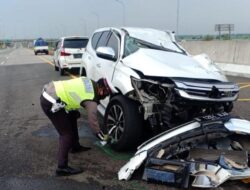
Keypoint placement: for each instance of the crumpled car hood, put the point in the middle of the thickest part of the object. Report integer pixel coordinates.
(168, 64)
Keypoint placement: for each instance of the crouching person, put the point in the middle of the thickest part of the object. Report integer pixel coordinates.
(60, 101)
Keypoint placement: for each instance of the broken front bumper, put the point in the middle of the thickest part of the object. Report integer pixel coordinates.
(198, 131)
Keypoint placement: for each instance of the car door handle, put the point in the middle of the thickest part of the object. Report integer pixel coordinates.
(98, 65)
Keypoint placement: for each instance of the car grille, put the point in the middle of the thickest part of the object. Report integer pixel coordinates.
(223, 91)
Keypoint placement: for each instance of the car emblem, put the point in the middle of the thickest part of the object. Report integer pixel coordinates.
(215, 93)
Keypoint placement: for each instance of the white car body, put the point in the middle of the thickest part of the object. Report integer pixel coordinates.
(135, 57)
(68, 53)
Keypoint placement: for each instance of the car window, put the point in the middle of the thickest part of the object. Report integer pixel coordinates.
(103, 40)
(41, 43)
(113, 43)
(130, 46)
(75, 43)
(95, 39)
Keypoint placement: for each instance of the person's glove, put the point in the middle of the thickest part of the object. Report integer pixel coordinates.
(105, 137)
(102, 137)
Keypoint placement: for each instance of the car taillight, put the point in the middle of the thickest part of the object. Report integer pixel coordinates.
(63, 53)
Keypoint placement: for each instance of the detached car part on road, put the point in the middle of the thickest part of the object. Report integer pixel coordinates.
(158, 83)
(212, 148)
(68, 53)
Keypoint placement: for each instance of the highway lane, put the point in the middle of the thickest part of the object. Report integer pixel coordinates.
(4, 55)
(29, 141)
(21, 56)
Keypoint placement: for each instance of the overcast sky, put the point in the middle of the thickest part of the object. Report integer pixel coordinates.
(55, 18)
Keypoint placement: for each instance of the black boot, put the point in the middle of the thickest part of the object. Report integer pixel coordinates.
(65, 171)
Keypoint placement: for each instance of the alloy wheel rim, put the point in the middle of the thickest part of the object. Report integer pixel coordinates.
(115, 123)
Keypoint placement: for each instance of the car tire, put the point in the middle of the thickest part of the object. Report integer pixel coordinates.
(35, 53)
(83, 73)
(122, 114)
(61, 71)
(56, 67)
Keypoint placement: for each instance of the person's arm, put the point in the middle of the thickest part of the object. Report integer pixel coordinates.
(91, 108)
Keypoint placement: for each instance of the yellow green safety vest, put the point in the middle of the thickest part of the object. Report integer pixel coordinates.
(74, 91)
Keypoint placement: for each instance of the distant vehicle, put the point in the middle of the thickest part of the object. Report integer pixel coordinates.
(68, 53)
(41, 46)
(159, 85)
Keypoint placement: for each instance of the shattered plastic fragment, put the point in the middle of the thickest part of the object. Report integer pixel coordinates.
(210, 176)
(128, 169)
(160, 153)
(206, 175)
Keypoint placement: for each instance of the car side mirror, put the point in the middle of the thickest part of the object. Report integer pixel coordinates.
(106, 53)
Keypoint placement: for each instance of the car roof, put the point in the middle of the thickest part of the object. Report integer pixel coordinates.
(74, 37)
(133, 29)
(150, 34)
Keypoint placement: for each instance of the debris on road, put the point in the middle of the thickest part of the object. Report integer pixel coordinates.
(209, 148)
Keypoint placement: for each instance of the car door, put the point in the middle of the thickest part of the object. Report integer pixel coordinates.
(98, 72)
(104, 67)
(89, 57)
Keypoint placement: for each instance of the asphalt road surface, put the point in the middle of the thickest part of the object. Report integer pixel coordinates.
(29, 142)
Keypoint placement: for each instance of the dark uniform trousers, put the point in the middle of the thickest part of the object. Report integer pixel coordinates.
(66, 125)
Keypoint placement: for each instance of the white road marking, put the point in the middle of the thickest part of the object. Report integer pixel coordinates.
(2, 63)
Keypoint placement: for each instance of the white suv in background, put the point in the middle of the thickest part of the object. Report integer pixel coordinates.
(68, 53)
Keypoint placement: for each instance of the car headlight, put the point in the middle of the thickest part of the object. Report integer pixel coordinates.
(136, 82)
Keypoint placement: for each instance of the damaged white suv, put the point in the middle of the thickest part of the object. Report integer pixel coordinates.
(159, 85)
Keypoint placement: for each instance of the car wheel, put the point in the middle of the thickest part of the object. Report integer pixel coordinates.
(61, 71)
(35, 53)
(56, 67)
(83, 72)
(123, 122)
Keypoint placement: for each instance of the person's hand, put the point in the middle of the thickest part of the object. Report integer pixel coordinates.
(100, 135)
(105, 137)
